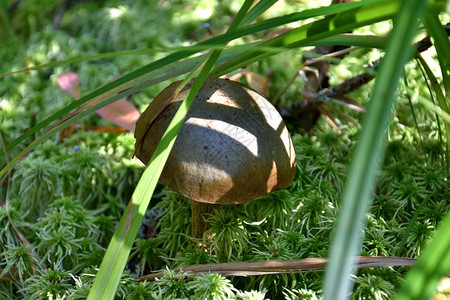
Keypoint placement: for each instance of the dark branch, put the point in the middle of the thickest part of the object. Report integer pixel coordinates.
(303, 114)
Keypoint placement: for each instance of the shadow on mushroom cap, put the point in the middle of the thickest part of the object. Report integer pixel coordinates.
(232, 147)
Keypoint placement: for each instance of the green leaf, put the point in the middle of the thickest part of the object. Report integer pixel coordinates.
(357, 195)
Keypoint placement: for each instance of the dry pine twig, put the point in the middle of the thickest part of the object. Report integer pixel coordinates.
(251, 268)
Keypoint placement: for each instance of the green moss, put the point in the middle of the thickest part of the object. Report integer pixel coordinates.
(66, 197)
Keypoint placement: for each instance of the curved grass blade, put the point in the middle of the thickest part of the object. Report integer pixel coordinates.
(187, 51)
(432, 265)
(70, 119)
(256, 11)
(345, 40)
(371, 12)
(143, 76)
(104, 97)
(142, 73)
(431, 106)
(352, 40)
(220, 39)
(369, 151)
(438, 123)
(442, 44)
(442, 106)
(116, 256)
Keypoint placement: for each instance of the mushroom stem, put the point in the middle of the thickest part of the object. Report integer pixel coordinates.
(199, 215)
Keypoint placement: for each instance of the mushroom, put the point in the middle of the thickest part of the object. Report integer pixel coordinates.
(232, 147)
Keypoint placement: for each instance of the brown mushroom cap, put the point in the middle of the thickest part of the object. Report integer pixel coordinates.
(233, 145)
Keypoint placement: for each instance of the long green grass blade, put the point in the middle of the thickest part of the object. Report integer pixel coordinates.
(156, 72)
(368, 154)
(217, 40)
(116, 256)
(442, 44)
(256, 11)
(341, 22)
(352, 40)
(108, 277)
(135, 85)
(431, 106)
(432, 97)
(433, 264)
(444, 106)
(143, 74)
(344, 40)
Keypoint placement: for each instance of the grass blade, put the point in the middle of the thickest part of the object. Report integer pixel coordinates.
(341, 22)
(368, 154)
(442, 44)
(116, 256)
(217, 40)
(104, 96)
(442, 101)
(145, 76)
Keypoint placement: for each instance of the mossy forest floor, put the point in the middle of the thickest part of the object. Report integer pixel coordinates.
(67, 196)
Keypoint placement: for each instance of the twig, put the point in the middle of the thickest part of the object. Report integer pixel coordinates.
(350, 84)
(308, 63)
(426, 43)
(311, 99)
(251, 268)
